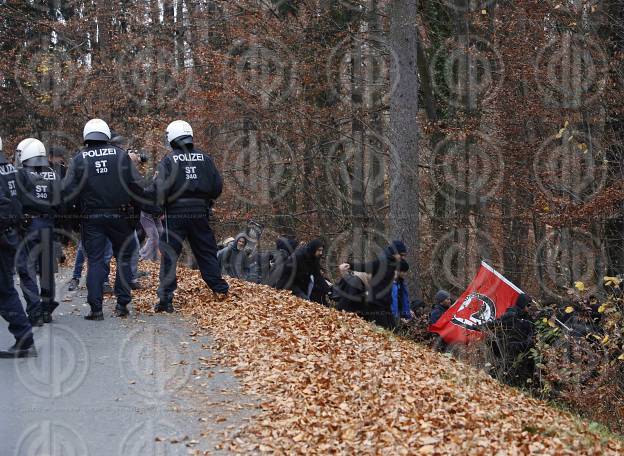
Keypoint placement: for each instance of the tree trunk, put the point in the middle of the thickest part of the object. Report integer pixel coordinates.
(404, 159)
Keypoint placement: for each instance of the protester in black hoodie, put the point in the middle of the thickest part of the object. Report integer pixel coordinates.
(281, 275)
(518, 326)
(305, 265)
(382, 271)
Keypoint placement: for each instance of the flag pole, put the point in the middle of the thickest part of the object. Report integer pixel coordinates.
(501, 276)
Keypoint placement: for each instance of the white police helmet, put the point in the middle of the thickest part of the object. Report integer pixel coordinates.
(33, 153)
(180, 132)
(19, 149)
(96, 130)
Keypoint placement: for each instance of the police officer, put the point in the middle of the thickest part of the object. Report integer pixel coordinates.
(18, 151)
(185, 184)
(10, 306)
(105, 181)
(40, 195)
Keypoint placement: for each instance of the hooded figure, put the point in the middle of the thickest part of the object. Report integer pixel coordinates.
(382, 271)
(234, 259)
(518, 326)
(305, 267)
(281, 274)
(351, 292)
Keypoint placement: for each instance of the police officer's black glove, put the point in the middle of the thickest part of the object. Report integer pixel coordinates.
(25, 222)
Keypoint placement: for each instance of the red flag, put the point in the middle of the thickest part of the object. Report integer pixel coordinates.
(486, 299)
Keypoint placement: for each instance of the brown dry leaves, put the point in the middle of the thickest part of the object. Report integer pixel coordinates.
(332, 383)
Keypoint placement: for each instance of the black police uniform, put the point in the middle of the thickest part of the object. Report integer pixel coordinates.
(185, 185)
(10, 306)
(107, 184)
(40, 195)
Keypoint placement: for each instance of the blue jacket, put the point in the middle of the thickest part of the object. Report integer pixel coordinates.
(399, 288)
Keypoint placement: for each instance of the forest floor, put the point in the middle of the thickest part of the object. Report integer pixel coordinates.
(329, 382)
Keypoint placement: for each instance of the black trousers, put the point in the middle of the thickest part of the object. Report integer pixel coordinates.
(96, 229)
(36, 256)
(10, 306)
(196, 229)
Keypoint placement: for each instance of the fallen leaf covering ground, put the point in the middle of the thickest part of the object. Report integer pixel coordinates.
(330, 383)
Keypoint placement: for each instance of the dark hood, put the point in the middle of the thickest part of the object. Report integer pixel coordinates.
(287, 244)
(312, 246)
(394, 248)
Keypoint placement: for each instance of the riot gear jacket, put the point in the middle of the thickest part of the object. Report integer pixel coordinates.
(186, 177)
(103, 178)
(10, 208)
(39, 190)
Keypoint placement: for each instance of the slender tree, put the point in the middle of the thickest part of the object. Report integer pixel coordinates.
(404, 157)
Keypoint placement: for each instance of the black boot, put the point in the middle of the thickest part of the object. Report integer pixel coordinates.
(52, 306)
(95, 315)
(47, 311)
(121, 310)
(36, 319)
(164, 306)
(21, 349)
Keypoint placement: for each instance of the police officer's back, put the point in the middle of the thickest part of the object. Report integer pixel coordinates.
(10, 306)
(107, 184)
(40, 195)
(185, 185)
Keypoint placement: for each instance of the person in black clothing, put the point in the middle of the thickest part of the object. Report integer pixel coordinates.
(107, 186)
(281, 273)
(351, 293)
(39, 191)
(517, 326)
(442, 301)
(185, 185)
(306, 266)
(10, 306)
(382, 271)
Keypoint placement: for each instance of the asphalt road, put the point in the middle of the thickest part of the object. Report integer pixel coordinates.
(136, 386)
